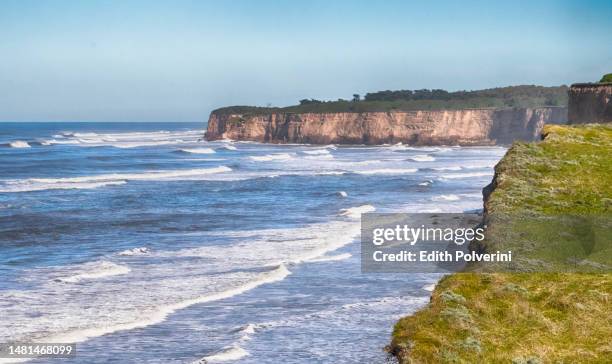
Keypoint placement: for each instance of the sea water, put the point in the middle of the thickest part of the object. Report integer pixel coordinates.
(144, 243)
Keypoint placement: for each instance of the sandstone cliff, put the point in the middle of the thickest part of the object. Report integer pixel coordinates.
(590, 103)
(463, 127)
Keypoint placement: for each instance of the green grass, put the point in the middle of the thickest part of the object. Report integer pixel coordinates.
(531, 317)
(567, 173)
(507, 318)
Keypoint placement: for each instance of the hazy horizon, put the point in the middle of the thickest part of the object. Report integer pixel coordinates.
(159, 61)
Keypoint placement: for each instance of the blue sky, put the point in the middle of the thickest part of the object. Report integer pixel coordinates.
(177, 60)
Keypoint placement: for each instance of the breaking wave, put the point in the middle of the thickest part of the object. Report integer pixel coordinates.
(17, 186)
(96, 270)
(332, 258)
(450, 197)
(450, 168)
(317, 152)
(19, 144)
(199, 151)
(83, 182)
(230, 353)
(355, 212)
(135, 251)
(272, 157)
(400, 147)
(126, 139)
(422, 158)
(388, 171)
(429, 287)
(80, 335)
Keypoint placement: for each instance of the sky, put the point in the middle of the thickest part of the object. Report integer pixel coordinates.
(177, 60)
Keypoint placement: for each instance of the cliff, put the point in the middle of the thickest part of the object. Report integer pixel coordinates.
(463, 127)
(590, 103)
(539, 317)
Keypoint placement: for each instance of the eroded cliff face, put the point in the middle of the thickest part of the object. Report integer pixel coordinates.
(462, 127)
(590, 103)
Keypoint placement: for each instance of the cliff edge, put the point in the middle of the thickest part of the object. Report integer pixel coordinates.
(538, 317)
(426, 127)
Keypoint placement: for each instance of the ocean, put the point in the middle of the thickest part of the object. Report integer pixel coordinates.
(144, 243)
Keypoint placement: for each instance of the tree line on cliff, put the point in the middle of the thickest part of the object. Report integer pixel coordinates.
(423, 99)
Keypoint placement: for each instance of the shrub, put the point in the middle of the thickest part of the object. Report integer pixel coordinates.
(606, 78)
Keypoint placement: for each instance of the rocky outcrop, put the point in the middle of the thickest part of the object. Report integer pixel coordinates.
(590, 103)
(450, 127)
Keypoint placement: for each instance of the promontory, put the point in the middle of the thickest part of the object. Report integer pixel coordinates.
(419, 117)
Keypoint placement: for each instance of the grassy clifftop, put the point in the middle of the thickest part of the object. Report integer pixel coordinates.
(527, 317)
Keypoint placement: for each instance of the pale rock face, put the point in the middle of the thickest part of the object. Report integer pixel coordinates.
(449, 127)
(590, 103)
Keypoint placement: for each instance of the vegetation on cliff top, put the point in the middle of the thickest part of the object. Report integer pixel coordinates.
(408, 100)
(526, 317)
(569, 172)
(606, 78)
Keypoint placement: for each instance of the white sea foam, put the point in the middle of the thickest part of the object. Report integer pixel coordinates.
(401, 147)
(230, 147)
(330, 173)
(426, 183)
(161, 313)
(199, 150)
(388, 171)
(204, 159)
(127, 139)
(231, 353)
(83, 182)
(317, 152)
(422, 158)
(429, 287)
(342, 194)
(290, 246)
(96, 270)
(366, 163)
(248, 329)
(127, 144)
(355, 212)
(450, 168)
(272, 157)
(19, 144)
(466, 175)
(135, 251)
(346, 312)
(450, 197)
(332, 258)
(152, 302)
(480, 165)
(319, 157)
(60, 141)
(26, 186)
